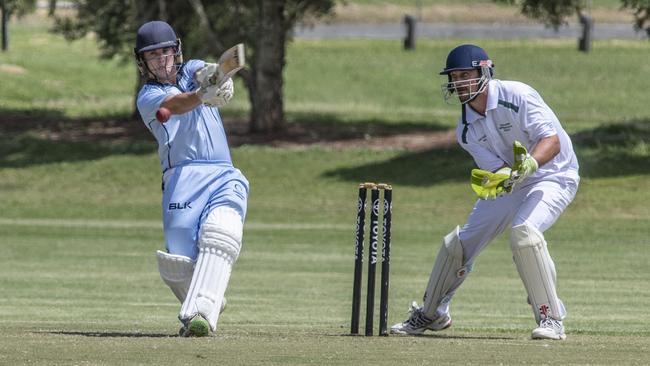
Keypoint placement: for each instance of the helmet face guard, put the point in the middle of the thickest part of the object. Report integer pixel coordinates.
(467, 90)
(162, 72)
(463, 58)
(152, 36)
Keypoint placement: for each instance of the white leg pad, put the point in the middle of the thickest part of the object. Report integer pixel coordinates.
(447, 274)
(537, 271)
(219, 245)
(176, 271)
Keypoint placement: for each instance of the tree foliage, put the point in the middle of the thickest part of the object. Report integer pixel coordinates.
(551, 12)
(18, 7)
(641, 10)
(9, 8)
(207, 28)
(556, 12)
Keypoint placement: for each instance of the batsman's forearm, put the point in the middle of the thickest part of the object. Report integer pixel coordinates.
(546, 149)
(182, 103)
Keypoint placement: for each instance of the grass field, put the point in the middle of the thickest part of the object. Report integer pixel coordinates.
(80, 221)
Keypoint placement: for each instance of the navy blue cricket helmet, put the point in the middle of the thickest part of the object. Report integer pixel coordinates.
(466, 57)
(154, 35)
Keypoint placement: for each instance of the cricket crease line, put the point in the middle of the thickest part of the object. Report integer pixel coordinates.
(150, 224)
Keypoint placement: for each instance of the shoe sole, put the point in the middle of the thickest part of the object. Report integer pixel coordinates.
(554, 337)
(405, 332)
(443, 328)
(395, 331)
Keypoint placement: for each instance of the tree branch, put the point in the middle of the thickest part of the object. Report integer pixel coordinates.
(215, 46)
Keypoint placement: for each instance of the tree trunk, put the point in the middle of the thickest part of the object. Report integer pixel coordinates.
(51, 7)
(5, 29)
(267, 108)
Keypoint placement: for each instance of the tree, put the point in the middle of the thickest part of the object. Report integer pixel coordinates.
(556, 12)
(206, 30)
(641, 10)
(9, 8)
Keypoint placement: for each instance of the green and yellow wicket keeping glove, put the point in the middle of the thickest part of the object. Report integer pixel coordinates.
(488, 185)
(524, 165)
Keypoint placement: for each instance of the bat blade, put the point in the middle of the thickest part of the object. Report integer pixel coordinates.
(230, 62)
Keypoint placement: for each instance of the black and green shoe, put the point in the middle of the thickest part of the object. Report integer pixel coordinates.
(196, 327)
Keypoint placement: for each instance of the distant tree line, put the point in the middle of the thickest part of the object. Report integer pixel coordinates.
(207, 28)
(556, 12)
(9, 8)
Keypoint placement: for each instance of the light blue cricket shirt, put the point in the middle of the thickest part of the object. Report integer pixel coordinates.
(197, 135)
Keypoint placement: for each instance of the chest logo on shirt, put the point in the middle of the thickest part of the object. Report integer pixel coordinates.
(505, 127)
(179, 206)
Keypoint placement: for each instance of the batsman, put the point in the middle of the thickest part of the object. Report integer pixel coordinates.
(527, 175)
(204, 196)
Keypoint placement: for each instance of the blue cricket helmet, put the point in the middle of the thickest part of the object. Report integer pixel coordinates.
(467, 57)
(154, 35)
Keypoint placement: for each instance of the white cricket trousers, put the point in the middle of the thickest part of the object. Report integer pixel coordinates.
(539, 205)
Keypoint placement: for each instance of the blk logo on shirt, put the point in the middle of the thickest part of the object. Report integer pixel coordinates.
(179, 206)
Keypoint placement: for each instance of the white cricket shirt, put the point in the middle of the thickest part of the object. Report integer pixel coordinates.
(515, 111)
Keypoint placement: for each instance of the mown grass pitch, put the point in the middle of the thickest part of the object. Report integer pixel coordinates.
(80, 225)
(80, 284)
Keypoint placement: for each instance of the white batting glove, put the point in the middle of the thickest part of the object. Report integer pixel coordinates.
(203, 74)
(216, 97)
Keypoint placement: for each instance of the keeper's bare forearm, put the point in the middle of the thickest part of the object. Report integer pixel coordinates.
(546, 149)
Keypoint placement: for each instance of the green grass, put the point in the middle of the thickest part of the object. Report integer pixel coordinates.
(76, 292)
(383, 82)
(345, 80)
(80, 221)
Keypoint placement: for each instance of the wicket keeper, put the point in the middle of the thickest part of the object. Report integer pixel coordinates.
(527, 176)
(204, 197)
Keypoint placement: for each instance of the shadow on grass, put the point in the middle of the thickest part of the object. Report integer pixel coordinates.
(424, 168)
(616, 149)
(333, 125)
(114, 334)
(46, 136)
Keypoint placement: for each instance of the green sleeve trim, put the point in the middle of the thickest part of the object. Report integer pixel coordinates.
(509, 105)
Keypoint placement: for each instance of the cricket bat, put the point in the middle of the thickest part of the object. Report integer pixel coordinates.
(230, 62)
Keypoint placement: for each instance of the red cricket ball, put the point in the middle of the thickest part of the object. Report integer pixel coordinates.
(163, 114)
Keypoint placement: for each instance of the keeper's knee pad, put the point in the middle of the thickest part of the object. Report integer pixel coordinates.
(447, 274)
(537, 271)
